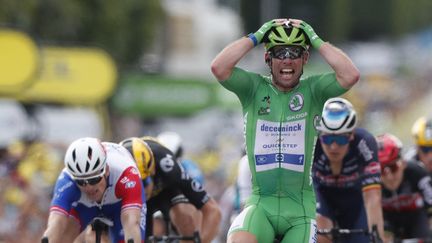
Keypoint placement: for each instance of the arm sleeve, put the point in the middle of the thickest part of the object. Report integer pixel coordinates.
(65, 193)
(325, 86)
(129, 188)
(368, 149)
(173, 173)
(242, 83)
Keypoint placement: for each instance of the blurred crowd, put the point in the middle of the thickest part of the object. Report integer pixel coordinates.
(28, 169)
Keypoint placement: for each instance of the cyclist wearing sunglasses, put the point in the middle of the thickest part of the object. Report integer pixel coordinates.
(346, 173)
(181, 199)
(407, 192)
(94, 184)
(279, 111)
(422, 133)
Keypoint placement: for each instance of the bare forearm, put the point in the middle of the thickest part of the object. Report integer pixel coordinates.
(346, 72)
(211, 220)
(130, 220)
(227, 59)
(133, 232)
(60, 228)
(374, 210)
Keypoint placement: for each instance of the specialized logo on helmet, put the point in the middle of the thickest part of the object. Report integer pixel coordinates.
(296, 102)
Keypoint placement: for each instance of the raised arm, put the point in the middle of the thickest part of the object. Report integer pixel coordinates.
(347, 73)
(227, 59)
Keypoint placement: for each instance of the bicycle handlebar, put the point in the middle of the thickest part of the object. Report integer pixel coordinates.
(342, 231)
(169, 238)
(337, 233)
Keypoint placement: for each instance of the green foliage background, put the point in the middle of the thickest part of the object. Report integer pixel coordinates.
(127, 29)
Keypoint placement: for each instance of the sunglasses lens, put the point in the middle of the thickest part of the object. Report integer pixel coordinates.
(287, 52)
(426, 149)
(339, 139)
(91, 182)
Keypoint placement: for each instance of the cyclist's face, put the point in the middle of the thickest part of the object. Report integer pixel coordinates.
(287, 66)
(95, 192)
(334, 151)
(392, 175)
(425, 155)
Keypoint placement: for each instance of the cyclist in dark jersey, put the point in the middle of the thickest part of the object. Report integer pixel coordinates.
(346, 173)
(172, 191)
(407, 192)
(422, 152)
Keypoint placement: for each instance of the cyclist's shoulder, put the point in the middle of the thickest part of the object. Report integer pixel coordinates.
(364, 140)
(193, 169)
(246, 76)
(317, 77)
(415, 170)
(363, 133)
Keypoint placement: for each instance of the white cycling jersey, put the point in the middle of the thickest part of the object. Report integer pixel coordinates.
(244, 180)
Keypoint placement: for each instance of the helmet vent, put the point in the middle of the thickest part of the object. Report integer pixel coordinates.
(78, 168)
(87, 166)
(96, 164)
(352, 123)
(89, 153)
(70, 168)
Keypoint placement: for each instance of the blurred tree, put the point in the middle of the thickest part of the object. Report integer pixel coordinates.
(409, 16)
(370, 19)
(337, 20)
(250, 13)
(123, 28)
(341, 20)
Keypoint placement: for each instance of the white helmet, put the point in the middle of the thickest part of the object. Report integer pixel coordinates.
(338, 116)
(85, 157)
(172, 141)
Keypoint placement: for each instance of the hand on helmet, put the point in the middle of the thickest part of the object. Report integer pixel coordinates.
(314, 39)
(262, 32)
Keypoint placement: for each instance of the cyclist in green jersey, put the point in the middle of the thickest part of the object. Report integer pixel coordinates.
(280, 111)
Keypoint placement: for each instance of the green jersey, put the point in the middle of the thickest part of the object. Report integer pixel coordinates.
(279, 129)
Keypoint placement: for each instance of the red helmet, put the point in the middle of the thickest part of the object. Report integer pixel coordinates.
(389, 149)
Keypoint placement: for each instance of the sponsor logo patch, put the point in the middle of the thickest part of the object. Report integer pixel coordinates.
(130, 184)
(167, 163)
(296, 102)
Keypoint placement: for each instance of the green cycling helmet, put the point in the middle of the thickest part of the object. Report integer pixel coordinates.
(285, 35)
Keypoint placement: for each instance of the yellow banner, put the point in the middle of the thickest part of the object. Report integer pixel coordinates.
(18, 61)
(73, 76)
